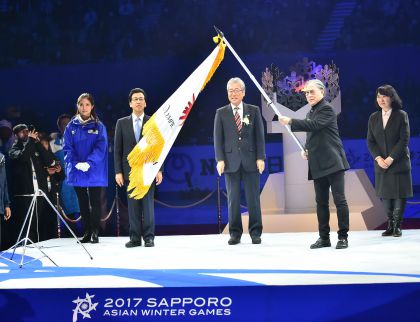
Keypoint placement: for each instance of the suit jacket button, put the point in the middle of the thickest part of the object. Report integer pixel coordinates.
(239, 149)
(240, 138)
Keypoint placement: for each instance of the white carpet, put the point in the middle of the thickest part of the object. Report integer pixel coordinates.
(281, 259)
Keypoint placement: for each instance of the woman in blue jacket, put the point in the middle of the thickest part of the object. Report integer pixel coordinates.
(85, 155)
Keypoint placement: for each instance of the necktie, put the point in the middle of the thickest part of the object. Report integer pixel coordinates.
(238, 119)
(137, 129)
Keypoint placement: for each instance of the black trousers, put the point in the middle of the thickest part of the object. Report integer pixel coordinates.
(90, 206)
(251, 182)
(141, 215)
(322, 187)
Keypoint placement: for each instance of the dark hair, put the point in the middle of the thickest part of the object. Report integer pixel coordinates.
(61, 117)
(134, 91)
(388, 90)
(89, 97)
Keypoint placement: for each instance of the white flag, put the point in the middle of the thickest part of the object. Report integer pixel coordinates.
(161, 130)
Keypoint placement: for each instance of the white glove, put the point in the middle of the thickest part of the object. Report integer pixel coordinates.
(82, 166)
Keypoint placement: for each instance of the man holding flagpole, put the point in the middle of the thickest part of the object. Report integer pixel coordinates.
(128, 131)
(239, 146)
(327, 162)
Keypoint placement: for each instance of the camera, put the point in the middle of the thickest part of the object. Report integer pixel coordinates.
(54, 164)
(31, 128)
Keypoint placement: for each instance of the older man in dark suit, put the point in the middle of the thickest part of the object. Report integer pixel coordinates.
(128, 132)
(327, 162)
(239, 146)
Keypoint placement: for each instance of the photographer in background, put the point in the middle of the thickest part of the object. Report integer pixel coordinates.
(29, 163)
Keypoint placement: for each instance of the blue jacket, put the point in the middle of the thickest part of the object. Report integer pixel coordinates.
(4, 194)
(67, 194)
(86, 143)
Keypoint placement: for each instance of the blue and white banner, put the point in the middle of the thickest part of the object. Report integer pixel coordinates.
(362, 302)
(189, 167)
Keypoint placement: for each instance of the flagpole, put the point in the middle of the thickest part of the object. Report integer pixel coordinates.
(267, 98)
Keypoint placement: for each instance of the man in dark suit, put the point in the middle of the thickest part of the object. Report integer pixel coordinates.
(239, 146)
(327, 162)
(128, 132)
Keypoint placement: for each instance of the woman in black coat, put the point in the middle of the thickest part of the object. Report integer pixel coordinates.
(387, 139)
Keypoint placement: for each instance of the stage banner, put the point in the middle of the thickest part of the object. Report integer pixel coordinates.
(160, 132)
(194, 167)
(363, 302)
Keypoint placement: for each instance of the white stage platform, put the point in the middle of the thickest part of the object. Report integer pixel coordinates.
(202, 278)
(207, 260)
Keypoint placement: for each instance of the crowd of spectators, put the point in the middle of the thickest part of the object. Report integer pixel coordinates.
(381, 23)
(358, 102)
(93, 31)
(67, 32)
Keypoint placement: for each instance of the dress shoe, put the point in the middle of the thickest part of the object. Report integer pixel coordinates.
(342, 243)
(94, 238)
(256, 240)
(85, 238)
(321, 243)
(234, 241)
(149, 243)
(132, 244)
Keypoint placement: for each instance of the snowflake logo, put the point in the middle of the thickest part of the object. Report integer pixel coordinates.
(83, 307)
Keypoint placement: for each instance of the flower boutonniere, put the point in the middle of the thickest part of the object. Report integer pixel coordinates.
(246, 120)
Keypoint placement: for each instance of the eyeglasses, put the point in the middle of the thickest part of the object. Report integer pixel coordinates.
(312, 92)
(138, 99)
(236, 91)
